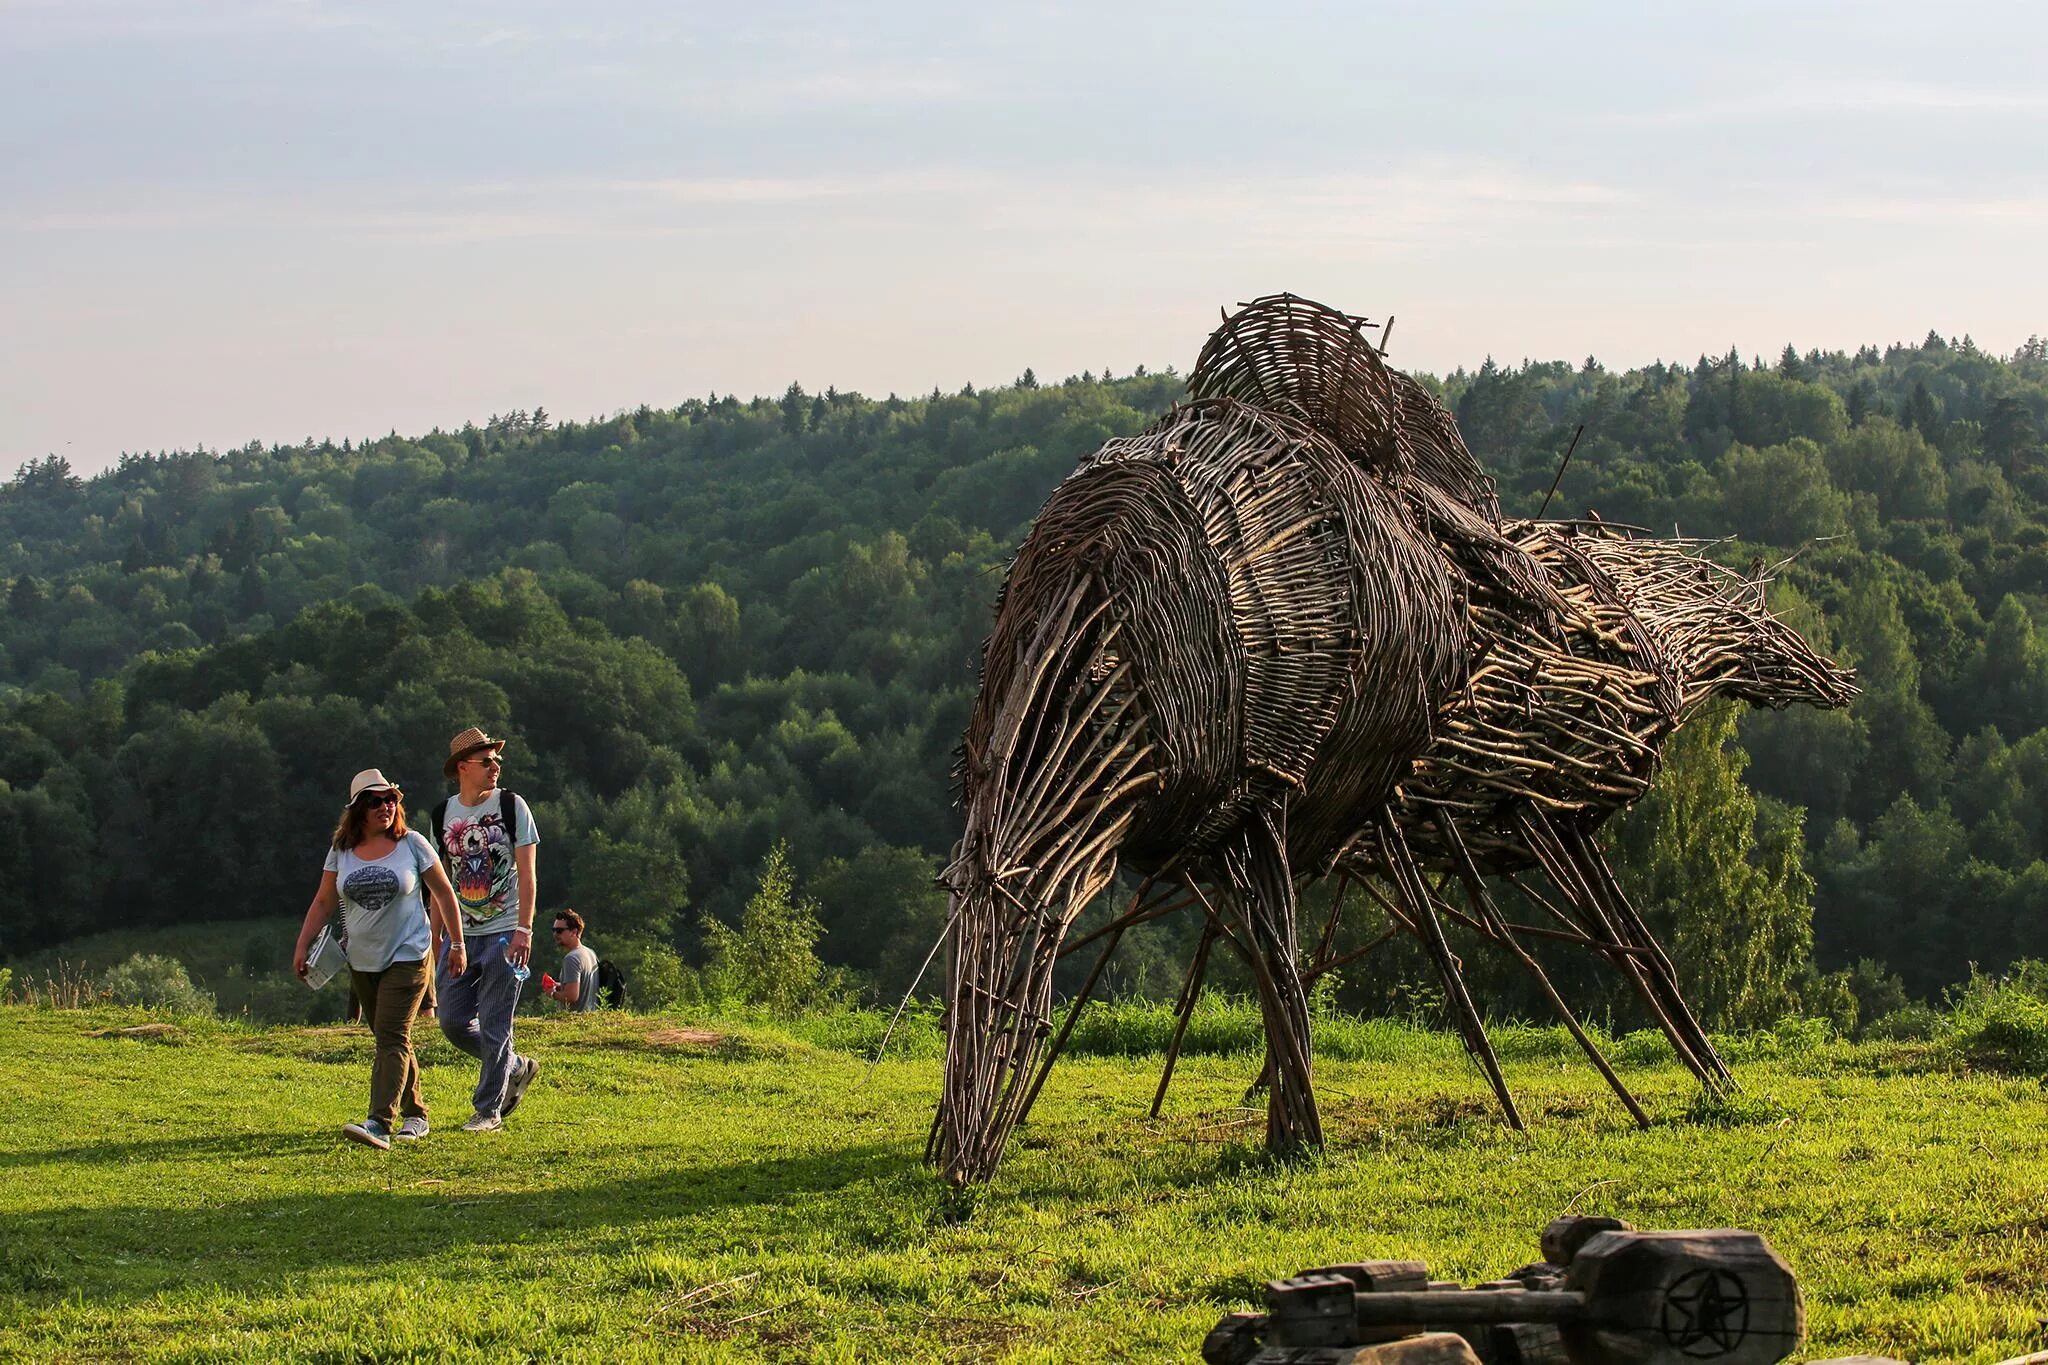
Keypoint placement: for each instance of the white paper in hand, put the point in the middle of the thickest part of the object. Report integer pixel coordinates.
(326, 957)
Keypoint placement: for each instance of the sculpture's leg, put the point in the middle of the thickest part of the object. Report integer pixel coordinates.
(1059, 1042)
(1657, 964)
(1414, 893)
(1257, 881)
(1319, 962)
(1325, 960)
(1580, 884)
(1139, 911)
(1331, 964)
(1184, 1009)
(1496, 927)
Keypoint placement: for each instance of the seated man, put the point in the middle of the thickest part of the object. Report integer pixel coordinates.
(578, 987)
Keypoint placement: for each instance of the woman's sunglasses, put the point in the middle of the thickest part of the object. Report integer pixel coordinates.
(368, 799)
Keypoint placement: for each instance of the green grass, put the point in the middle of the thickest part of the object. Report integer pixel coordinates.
(188, 1197)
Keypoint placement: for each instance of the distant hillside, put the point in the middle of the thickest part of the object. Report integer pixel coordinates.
(712, 626)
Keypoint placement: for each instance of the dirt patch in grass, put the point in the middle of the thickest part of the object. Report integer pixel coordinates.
(685, 1038)
(146, 1032)
(323, 1043)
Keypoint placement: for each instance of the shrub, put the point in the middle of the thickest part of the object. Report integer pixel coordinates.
(1914, 1023)
(1799, 1035)
(2011, 1035)
(1833, 997)
(771, 960)
(2001, 1022)
(1878, 992)
(155, 983)
(657, 978)
(274, 999)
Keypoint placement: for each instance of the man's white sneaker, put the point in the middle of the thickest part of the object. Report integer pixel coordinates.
(523, 1073)
(370, 1133)
(412, 1129)
(483, 1123)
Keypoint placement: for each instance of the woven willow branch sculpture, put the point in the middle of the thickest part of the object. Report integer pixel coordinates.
(1285, 633)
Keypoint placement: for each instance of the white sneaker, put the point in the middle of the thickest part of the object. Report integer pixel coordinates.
(522, 1076)
(412, 1129)
(370, 1133)
(482, 1123)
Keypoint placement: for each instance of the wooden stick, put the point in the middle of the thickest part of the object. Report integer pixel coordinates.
(1183, 1011)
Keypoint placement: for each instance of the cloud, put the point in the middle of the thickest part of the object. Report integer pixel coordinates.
(1860, 98)
(85, 22)
(1936, 206)
(1421, 204)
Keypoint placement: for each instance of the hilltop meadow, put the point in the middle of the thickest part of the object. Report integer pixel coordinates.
(736, 1189)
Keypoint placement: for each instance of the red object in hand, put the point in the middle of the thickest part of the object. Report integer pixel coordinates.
(547, 983)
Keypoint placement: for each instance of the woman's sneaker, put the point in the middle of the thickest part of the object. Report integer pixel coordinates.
(483, 1123)
(370, 1133)
(412, 1129)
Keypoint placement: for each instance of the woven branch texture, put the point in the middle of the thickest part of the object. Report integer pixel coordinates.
(1285, 632)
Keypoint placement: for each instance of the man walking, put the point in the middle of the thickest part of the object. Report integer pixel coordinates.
(485, 835)
(578, 987)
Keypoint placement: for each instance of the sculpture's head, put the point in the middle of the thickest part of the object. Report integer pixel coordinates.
(1713, 627)
(1775, 666)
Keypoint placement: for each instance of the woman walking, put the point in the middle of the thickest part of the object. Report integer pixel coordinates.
(380, 876)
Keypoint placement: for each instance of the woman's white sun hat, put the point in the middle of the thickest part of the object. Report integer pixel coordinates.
(369, 780)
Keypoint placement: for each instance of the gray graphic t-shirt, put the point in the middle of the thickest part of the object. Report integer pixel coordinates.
(383, 905)
(477, 847)
(579, 965)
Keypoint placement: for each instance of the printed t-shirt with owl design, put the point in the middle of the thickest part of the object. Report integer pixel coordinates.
(477, 848)
(383, 911)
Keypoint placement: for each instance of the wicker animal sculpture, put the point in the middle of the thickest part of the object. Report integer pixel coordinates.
(1231, 654)
(1559, 727)
(1220, 640)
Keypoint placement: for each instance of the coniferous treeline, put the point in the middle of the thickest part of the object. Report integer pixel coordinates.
(710, 627)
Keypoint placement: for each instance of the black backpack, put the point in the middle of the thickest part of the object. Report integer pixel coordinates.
(611, 985)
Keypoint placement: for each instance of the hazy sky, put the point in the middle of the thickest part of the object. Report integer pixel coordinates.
(224, 220)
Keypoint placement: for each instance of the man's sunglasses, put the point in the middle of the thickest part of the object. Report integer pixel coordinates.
(368, 799)
(490, 760)
(561, 928)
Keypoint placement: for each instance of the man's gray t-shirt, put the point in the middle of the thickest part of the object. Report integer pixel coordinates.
(383, 910)
(579, 965)
(477, 848)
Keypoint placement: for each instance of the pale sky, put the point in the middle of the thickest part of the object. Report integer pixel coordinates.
(225, 220)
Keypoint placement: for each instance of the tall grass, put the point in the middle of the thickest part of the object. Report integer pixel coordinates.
(2000, 1022)
(60, 985)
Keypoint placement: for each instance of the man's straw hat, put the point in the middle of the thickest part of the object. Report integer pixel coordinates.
(465, 745)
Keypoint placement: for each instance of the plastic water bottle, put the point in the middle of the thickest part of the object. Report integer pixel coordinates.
(520, 970)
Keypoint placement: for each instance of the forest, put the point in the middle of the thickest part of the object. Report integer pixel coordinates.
(717, 629)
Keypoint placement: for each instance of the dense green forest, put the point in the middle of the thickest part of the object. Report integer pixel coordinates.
(717, 626)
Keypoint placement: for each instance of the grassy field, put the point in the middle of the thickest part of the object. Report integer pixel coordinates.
(187, 1197)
